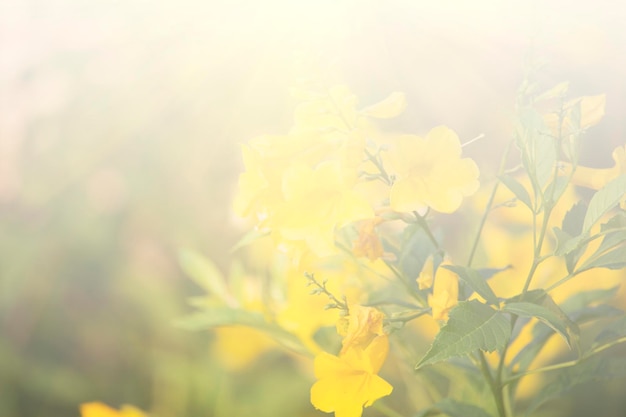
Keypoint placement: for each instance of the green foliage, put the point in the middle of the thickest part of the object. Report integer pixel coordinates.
(472, 326)
(594, 369)
(453, 408)
(603, 201)
(204, 273)
(517, 189)
(554, 319)
(476, 282)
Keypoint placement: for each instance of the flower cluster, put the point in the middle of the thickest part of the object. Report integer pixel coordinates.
(351, 263)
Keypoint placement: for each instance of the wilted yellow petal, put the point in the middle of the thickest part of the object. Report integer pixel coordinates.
(368, 243)
(364, 324)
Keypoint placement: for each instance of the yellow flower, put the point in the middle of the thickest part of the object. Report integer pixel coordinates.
(431, 173)
(445, 292)
(239, 346)
(98, 409)
(349, 382)
(316, 202)
(266, 158)
(360, 327)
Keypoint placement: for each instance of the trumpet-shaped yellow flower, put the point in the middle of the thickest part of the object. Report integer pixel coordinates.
(316, 202)
(430, 172)
(266, 158)
(349, 382)
(445, 292)
(98, 409)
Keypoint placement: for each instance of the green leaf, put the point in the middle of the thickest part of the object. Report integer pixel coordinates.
(472, 325)
(577, 307)
(540, 336)
(537, 146)
(568, 247)
(517, 189)
(454, 408)
(574, 218)
(593, 313)
(587, 298)
(604, 200)
(204, 273)
(558, 91)
(490, 272)
(558, 322)
(593, 369)
(615, 232)
(249, 238)
(615, 259)
(614, 331)
(555, 189)
(476, 281)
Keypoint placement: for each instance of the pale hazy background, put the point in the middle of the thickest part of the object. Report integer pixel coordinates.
(119, 125)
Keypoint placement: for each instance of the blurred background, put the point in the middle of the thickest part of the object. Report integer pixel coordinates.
(119, 130)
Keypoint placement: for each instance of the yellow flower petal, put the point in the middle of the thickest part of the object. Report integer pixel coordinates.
(445, 292)
(430, 172)
(349, 382)
(98, 409)
(363, 325)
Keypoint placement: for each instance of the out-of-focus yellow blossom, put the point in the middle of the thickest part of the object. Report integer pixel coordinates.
(425, 278)
(303, 313)
(368, 243)
(239, 346)
(597, 178)
(316, 202)
(360, 327)
(445, 292)
(430, 172)
(266, 158)
(98, 409)
(329, 113)
(348, 382)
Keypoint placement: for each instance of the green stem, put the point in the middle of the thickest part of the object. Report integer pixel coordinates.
(563, 365)
(492, 197)
(424, 225)
(494, 384)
